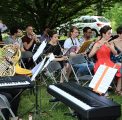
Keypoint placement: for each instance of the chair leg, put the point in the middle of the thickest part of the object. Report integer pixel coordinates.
(54, 106)
(1, 114)
(12, 113)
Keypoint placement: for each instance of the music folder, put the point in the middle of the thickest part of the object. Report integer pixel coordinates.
(102, 79)
(84, 46)
(68, 51)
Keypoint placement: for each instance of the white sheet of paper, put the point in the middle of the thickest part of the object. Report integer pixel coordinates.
(51, 58)
(39, 50)
(36, 70)
(106, 81)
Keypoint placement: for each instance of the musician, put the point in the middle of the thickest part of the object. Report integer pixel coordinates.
(54, 47)
(45, 35)
(29, 39)
(102, 49)
(73, 41)
(87, 34)
(118, 46)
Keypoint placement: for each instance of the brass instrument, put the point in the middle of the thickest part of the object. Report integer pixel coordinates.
(10, 56)
(9, 59)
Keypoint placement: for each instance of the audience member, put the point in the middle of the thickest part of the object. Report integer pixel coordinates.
(3, 27)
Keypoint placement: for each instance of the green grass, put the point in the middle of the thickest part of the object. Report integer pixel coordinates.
(28, 100)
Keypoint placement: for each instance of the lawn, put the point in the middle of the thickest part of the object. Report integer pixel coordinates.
(44, 113)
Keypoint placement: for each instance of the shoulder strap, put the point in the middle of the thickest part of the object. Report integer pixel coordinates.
(72, 41)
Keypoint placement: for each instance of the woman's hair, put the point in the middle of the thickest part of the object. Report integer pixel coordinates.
(119, 30)
(104, 29)
(51, 33)
(72, 29)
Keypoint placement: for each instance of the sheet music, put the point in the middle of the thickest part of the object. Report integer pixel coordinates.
(102, 78)
(37, 69)
(39, 50)
(84, 46)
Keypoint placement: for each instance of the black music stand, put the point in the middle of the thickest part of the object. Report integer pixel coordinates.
(35, 71)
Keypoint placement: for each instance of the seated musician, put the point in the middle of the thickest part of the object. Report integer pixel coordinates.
(54, 47)
(29, 41)
(102, 49)
(73, 41)
(118, 46)
(15, 38)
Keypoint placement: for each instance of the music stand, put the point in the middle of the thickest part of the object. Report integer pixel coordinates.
(84, 46)
(35, 71)
(102, 79)
(39, 51)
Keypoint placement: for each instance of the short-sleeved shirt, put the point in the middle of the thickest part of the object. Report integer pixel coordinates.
(10, 40)
(71, 42)
(55, 49)
(27, 39)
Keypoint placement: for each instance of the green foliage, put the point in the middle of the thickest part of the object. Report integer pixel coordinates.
(115, 15)
(41, 13)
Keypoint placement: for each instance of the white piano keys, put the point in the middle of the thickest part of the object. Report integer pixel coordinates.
(14, 83)
(71, 98)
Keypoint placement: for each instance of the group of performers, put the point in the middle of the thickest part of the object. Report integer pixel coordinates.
(105, 51)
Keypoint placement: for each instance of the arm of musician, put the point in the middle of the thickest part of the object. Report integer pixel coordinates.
(77, 49)
(61, 58)
(22, 49)
(93, 51)
(111, 46)
(34, 37)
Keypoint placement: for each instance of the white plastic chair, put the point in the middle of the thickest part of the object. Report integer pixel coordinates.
(4, 103)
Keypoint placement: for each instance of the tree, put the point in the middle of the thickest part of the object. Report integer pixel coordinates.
(115, 15)
(41, 13)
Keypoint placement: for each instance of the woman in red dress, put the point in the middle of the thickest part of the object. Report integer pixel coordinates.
(102, 50)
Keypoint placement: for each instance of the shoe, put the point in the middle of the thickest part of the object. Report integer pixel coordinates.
(53, 100)
(119, 93)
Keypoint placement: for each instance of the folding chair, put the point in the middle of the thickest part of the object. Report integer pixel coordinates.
(4, 103)
(37, 54)
(77, 60)
(56, 71)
